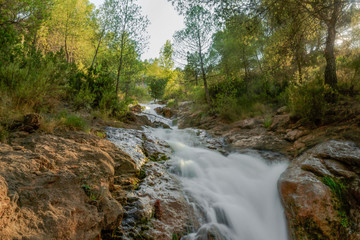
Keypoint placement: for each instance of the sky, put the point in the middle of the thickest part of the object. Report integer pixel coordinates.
(164, 21)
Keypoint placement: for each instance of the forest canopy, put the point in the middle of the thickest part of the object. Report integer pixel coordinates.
(233, 58)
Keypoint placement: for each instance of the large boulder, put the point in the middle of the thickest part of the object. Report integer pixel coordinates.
(60, 187)
(320, 192)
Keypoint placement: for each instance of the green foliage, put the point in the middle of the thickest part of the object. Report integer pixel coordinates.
(37, 82)
(89, 192)
(84, 98)
(157, 87)
(340, 191)
(197, 94)
(172, 103)
(336, 186)
(142, 174)
(308, 100)
(268, 121)
(166, 56)
(72, 121)
(175, 237)
(3, 134)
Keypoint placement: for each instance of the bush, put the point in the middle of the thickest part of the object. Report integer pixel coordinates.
(37, 82)
(84, 99)
(197, 94)
(157, 87)
(73, 122)
(3, 134)
(307, 101)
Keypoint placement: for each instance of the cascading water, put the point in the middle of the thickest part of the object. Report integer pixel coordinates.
(237, 193)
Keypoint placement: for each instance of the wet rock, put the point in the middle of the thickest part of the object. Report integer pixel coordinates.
(214, 143)
(158, 124)
(145, 209)
(345, 152)
(293, 135)
(211, 232)
(156, 208)
(319, 192)
(129, 141)
(139, 145)
(58, 187)
(164, 111)
(135, 108)
(155, 149)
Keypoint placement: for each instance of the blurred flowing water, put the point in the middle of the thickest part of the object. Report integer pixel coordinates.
(237, 193)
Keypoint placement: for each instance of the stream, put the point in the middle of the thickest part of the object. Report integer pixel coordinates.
(234, 195)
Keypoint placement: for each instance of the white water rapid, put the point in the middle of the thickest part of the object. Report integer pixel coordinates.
(237, 193)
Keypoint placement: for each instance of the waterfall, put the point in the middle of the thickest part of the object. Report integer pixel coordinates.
(236, 193)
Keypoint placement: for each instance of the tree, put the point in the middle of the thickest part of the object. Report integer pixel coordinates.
(131, 65)
(196, 39)
(69, 28)
(130, 23)
(330, 13)
(105, 17)
(166, 56)
(156, 78)
(192, 68)
(239, 44)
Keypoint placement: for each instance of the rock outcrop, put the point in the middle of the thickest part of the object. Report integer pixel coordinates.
(156, 208)
(164, 111)
(60, 187)
(321, 194)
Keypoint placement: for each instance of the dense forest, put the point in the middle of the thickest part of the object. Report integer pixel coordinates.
(233, 59)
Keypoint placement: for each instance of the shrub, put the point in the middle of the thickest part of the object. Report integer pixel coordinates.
(3, 134)
(172, 103)
(308, 100)
(157, 87)
(84, 98)
(37, 82)
(73, 122)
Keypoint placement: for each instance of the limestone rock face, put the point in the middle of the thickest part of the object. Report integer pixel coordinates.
(320, 192)
(60, 187)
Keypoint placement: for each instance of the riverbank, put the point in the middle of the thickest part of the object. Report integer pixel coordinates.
(320, 189)
(70, 184)
(278, 131)
(79, 185)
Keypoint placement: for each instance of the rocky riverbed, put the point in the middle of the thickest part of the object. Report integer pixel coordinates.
(73, 185)
(320, 188)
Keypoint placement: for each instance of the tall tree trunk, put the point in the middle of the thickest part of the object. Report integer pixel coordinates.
(122, 46)
(66, 36)
(97, 49)
(208, 100)
(298, 61)
(330, 70)
(196, 78)
(127, 87)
